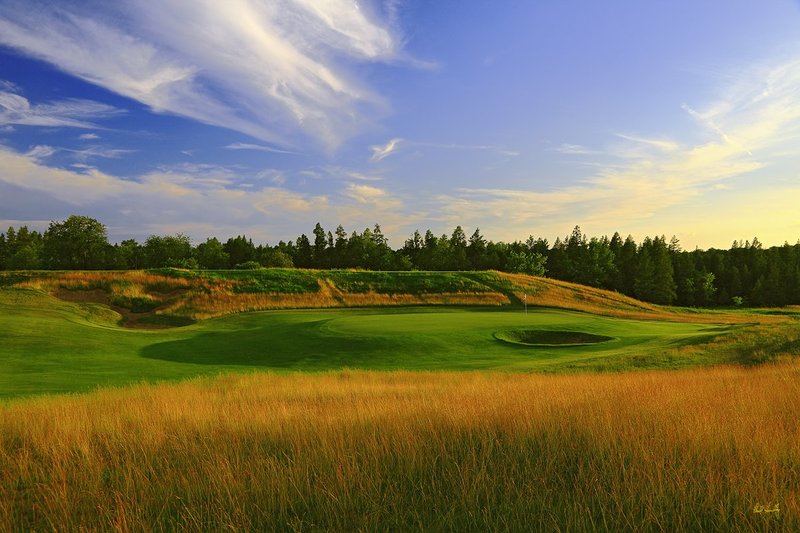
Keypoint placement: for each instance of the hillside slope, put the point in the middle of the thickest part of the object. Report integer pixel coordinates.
(173, 297)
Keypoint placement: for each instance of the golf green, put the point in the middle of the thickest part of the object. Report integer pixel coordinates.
(52, 346)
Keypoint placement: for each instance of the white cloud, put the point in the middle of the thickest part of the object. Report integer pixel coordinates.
(83, 167)
(201, 200)
(361, 176)
(364, 194)
(73, 113)
(267, 69)
(88, 136)
(259, 148)
(454, 146)
(26, 172)
(99, 151)
(575, 149)
(662, 144)
(41, 151)
(9, 86)
(277, 177)
(380, 152)
(342, 173)
(200, 172)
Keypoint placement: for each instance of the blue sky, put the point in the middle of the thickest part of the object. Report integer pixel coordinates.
(263, 117)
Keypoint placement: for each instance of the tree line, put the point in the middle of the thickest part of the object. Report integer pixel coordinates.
(655, 270)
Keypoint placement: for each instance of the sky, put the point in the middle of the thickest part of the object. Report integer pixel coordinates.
(261, 118)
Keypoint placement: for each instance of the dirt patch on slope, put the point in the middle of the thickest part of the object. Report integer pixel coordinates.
(130, 319)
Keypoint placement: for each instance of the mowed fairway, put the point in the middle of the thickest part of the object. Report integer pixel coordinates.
(52, 346)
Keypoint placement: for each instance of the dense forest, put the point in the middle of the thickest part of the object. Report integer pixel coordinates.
(655, 270)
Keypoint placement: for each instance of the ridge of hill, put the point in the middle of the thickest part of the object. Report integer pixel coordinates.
(174, 297)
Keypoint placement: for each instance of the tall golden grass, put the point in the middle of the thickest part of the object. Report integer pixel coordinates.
(221, 302)
(548, 292)
(87, 280)
(221, 298)
(698, 450)
(199, 298)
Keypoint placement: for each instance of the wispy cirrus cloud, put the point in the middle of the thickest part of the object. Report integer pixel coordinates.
(575, 149)
(751, 127)
(277, 71)
(360, 176)
(380, 152)
(661, 144)
(278, 177)
(100, 151)
(43, 151)
(259, 148)
(481, 147)
(347, 174)
(88, 137)
(15, 109)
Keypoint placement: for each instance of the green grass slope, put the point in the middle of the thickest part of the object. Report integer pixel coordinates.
(52, 346)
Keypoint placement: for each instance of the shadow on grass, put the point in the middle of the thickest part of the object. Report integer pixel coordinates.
(285, 346)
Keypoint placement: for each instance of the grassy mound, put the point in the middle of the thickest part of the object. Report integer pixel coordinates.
(174, 296)
(51, 345)
(544, 337)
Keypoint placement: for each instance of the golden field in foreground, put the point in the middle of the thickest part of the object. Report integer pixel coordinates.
(703, 449)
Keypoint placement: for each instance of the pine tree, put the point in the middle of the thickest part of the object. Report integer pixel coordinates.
(458, 250)
(663, 275)
(302, 257)
(320, 244)
(476, 251)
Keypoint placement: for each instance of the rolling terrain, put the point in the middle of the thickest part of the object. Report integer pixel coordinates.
(177, 297)
(286, 400)
(72, 332)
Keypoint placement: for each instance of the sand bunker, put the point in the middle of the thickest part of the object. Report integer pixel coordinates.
(549, 338)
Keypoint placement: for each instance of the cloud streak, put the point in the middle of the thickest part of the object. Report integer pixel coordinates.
(575, 149)
(661, 144)
(285, 63)
(17, 110)
(41, 151)
(380, 152)
(259, 148)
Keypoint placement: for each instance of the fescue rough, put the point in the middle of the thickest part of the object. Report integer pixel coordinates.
(691, 450)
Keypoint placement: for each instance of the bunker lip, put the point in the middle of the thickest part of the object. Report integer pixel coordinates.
(129, 319)
(546, 338)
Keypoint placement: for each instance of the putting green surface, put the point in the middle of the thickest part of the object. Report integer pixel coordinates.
(51, 346)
